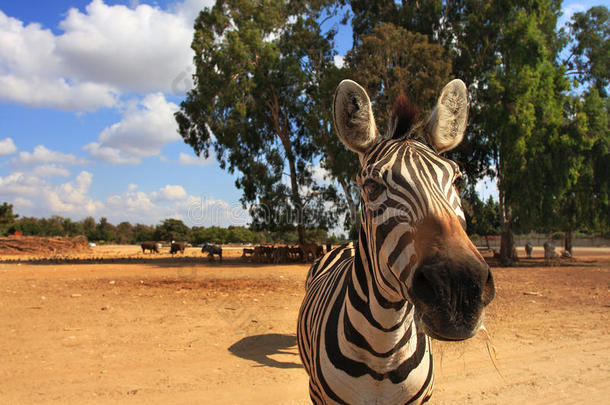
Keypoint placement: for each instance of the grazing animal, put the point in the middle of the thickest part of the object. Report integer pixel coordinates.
(247, 253)
(549, 251)
(152, 246)
(177, 247)
(310, 251)
(528, 250)
(280, 254)
(369, 310)
(212, 250)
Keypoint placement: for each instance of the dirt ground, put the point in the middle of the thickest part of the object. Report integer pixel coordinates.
(128, 328)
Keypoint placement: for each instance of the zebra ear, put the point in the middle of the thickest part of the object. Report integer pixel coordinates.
(447, 123)
(353, 117)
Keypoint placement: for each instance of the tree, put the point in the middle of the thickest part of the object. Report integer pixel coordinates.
(143, 233)
(7, 217)
(125, 233)
(105, 231)
(53, 226)
(423, 16)
(468, 30)
(257, 63)
(589, 59)
(388, 61)
(71, 228)
(29, 226)
(584, 202)
(392, 60)
(523, 106)
(172, 229)
(482, 217)
(89, 228)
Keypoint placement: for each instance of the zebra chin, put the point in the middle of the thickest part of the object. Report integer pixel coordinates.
(447, 331)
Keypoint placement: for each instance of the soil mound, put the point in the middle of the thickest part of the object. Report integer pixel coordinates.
(43, 246)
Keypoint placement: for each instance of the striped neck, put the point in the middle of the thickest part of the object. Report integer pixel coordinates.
(389, 322)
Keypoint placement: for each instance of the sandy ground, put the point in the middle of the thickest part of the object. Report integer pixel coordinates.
(187, 331)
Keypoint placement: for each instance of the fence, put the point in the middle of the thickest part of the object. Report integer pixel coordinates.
(539, 240)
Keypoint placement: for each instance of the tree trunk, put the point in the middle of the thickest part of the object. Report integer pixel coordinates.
(567, 241)
(282, 132)
(296, 199)
(353, 208)
(507, 240)
(507, 244)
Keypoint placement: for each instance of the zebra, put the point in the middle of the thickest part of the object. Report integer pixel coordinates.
(370, 309)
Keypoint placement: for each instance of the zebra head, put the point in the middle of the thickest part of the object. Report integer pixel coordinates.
(413, 226)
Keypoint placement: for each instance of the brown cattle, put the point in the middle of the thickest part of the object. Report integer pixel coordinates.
(177, 247)
(152, 246)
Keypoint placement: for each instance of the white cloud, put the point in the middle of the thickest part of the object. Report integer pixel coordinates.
(568, 10)
(185, 159)
(7, 147)
(72, 197)
(144, 130)
(109, 155)
(339, 61)
(103, 52)
(42, 155)
(57, 93)
(487, 187)
(35, 196)
(320, 174)
(52, 170)
(205, 211)
(20, 184)
(31, 72)
(23, 202)
(188, 10)
(137, 49)
(170, 193)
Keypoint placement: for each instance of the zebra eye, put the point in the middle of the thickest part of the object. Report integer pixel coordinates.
(372, 189)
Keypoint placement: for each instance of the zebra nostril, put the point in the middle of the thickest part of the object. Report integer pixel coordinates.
(423, 288)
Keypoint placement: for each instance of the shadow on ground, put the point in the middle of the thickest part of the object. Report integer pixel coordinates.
(259, 348)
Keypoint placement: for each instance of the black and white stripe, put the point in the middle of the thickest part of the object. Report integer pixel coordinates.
(369, 310)
(356, 328)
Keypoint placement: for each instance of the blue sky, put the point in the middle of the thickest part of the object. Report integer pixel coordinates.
(87, 93)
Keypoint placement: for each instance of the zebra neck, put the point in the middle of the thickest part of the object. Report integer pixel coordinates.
(385, 311)
(377, 333)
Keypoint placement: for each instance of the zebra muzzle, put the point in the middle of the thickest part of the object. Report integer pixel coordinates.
(449, 297)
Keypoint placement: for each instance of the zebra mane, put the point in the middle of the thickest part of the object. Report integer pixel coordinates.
(405, 114)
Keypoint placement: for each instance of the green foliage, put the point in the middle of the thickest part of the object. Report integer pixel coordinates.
(317, 235)
(7, 217)
(125, 233)
(584, 202)
(482, 217)
(257, 62)
(143, 233)
(589, 60)
(105, 231)
(172, 229)
(89, 228)
(523, 109)
(29, 226)
(392, 60)
(169, 229)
